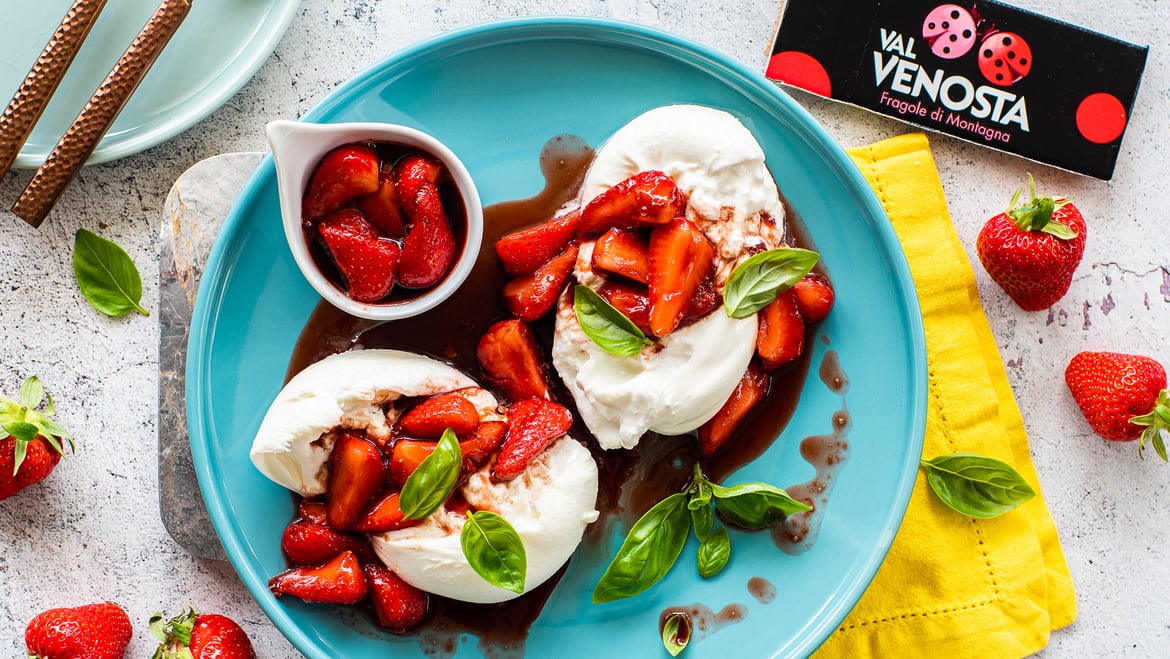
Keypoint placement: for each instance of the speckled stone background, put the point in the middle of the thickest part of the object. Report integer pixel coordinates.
(92, 531)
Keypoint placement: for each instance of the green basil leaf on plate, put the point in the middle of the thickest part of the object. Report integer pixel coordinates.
(676, 633)
(714, 552)
(430, 485)
(976, 485)
(605, 325)
(106, 275)
(754, 505)
(699, 503)
(649, 551)
(494, 550)
(757, 281)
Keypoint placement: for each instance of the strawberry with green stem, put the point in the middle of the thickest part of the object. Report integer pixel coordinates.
(30, 441)
(1123, 397)
(192, 635)
(1032, 250)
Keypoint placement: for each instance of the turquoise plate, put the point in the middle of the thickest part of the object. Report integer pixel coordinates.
(216, 50)
(495, 94)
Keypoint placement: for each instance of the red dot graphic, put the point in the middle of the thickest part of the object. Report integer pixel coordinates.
(1101, 118)
(800, 70)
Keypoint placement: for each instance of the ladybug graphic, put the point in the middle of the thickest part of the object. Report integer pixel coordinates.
(1004, 58)
(949, 30)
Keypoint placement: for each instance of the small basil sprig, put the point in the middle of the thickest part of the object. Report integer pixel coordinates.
(106, 275)
(494, 550)
(976, 485)
(757, 281)
(605, 325)
(655, 541)
(676, 633)
(432, 482)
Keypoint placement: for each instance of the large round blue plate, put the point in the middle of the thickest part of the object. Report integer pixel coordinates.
(495, 94)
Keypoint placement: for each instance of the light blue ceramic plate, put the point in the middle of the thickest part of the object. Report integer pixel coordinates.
(216, 50)
(495, 94)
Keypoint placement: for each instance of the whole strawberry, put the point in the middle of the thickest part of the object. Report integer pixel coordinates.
(192, 635)
(1123, 397)
(30, 441)
(93, 631)
(1032, 250)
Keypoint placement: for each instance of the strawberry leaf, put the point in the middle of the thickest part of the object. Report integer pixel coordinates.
(22, 430)
(106, 275)
(1155, 422)
(32, 393)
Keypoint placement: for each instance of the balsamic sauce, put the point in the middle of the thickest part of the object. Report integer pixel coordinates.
(630, 480)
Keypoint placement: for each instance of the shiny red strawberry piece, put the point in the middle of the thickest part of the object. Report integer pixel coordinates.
(814, 297)
(705, 301)
(433, 415)
(398, 605)
(646, 198)
(533, 424)
(483, 442)
(312, 512)
(340, 581)
(356, 476)
(367, 261)
(311, 544)
(343, 175)
(630, 299)
(681, 257)
(91, 631)
(622, 252)
(522, 252)
(1123, 397)
(780, 337)
(532, 296)
(406, 456)
(411, 173)
(382, 208)
(429, 248)
(384, 515)
(752, 389)
(512, 362)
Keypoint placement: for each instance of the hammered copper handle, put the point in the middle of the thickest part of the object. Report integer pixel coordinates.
(32, 97)
(82, 137)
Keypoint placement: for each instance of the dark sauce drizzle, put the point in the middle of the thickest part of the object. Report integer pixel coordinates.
(631, 481)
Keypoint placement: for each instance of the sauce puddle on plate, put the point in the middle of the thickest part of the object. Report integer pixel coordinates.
(631, 481)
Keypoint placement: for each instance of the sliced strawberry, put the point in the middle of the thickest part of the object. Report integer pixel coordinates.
(385, 515)
(411, 172)
(630, 299)
(398, 605)
(752, 389)
(340, 581)
(705, 301)
(366, 261)
(486, 439)
(312, 544)
(814, 297)
(623, 252)
(646, 198)
(681, 257)
(343, 175)
(382, 208)
(511, 360)
(780, 338)
(429, 248)
(312, 512)
(532, 296)
(533, 424)
(356, 476)
(432, 416)
(523, 251)
(406, 456)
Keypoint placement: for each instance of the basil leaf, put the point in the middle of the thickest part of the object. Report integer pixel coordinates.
(605, 325)
(757, 281)
(754, 505)
(976, 485)
(700, 506)
(106, 275)
(714, 552)
(649, 551)
(676, 633)
(430, 485)
(494, 550)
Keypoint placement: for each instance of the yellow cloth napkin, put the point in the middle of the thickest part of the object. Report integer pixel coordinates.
(954, 586)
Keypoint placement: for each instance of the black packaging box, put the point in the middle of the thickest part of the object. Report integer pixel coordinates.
(981, 71)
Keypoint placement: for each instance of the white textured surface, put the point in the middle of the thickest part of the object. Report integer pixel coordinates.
(92, 531)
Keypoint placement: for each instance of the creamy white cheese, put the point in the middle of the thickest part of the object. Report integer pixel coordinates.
(549, 505)
(678, 384)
